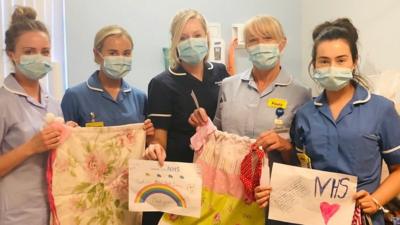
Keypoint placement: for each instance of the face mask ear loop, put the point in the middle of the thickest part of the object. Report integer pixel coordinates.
(13, 61)
(100, 54)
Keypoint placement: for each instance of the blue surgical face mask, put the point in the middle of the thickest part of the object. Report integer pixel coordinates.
(117, 67)
(264, 56)
(333, 78)
(34, 67)
(193, 50)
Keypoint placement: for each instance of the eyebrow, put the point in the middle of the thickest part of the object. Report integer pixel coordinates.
(116, 50)
(194, 32)
(30, 48)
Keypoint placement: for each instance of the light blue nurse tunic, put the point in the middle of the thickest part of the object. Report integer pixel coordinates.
(242, 110)
(23, 191)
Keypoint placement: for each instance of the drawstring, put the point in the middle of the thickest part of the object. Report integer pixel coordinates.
(249, 179)
(49, 175)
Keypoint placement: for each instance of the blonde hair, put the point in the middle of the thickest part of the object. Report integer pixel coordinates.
(23, 20)
(177, 25)
(106, 32)
(263, 25)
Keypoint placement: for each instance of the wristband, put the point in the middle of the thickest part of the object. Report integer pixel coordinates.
(380, 207)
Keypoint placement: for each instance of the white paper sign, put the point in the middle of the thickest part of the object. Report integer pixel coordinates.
(311, 197)
(174, 188)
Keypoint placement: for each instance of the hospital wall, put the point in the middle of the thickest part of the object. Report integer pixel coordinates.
(148, 21)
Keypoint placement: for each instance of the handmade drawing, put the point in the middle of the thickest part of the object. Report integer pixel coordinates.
(325, 197)
(173, 188)
(164, 189)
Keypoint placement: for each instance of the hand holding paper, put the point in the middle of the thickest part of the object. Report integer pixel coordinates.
(311, 197)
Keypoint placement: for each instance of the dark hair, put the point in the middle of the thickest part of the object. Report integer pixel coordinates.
(23, 20)
(341, 28)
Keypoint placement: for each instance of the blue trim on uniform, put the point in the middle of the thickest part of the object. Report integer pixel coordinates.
(23, 190)
(94, 83)
(283, 79)
(361, 96)
(365, 132)
(78, 102)
(11, 84)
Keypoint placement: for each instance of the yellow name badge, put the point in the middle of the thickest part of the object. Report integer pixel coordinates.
(305, 161)
(277, 103)
(94, 124)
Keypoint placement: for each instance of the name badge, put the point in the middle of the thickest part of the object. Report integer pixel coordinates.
(277, 103)
(94, 124)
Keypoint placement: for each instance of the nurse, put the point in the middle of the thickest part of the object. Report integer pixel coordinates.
(170, 100)
(347, 129)
(105, 99)
(170, 93)
(261, 101)
(263, 97)
(24, 142)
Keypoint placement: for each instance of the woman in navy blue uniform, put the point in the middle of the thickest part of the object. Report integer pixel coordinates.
(170, 99)
(106, 97)
(346, 129)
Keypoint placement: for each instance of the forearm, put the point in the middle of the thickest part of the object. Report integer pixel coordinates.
(390, 187)
(13, 158)
(286, 153)
(160, 137)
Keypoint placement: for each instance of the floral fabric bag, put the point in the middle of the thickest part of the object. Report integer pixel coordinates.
(88, 175)
(220, 156)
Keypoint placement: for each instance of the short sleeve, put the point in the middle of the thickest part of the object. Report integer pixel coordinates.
(222, 71)
(297, 136)
(159, 104)
(390, 136)
(2, 127)
(146, 107)
(69, 107)
(140, 101)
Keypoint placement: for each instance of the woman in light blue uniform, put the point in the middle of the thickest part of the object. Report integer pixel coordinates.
(347, 129)
(24, 104)
(260, 102)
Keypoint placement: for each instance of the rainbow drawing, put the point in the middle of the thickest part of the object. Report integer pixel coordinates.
(158, 188)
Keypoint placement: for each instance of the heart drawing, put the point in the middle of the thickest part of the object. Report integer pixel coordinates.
(328, 210)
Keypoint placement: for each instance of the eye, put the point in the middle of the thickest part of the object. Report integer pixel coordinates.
(45, 52)
(127, 53)
(267, 38)
(29, 51)
(183, 37)
(252, 40)
(113, 53)
(323, 61)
